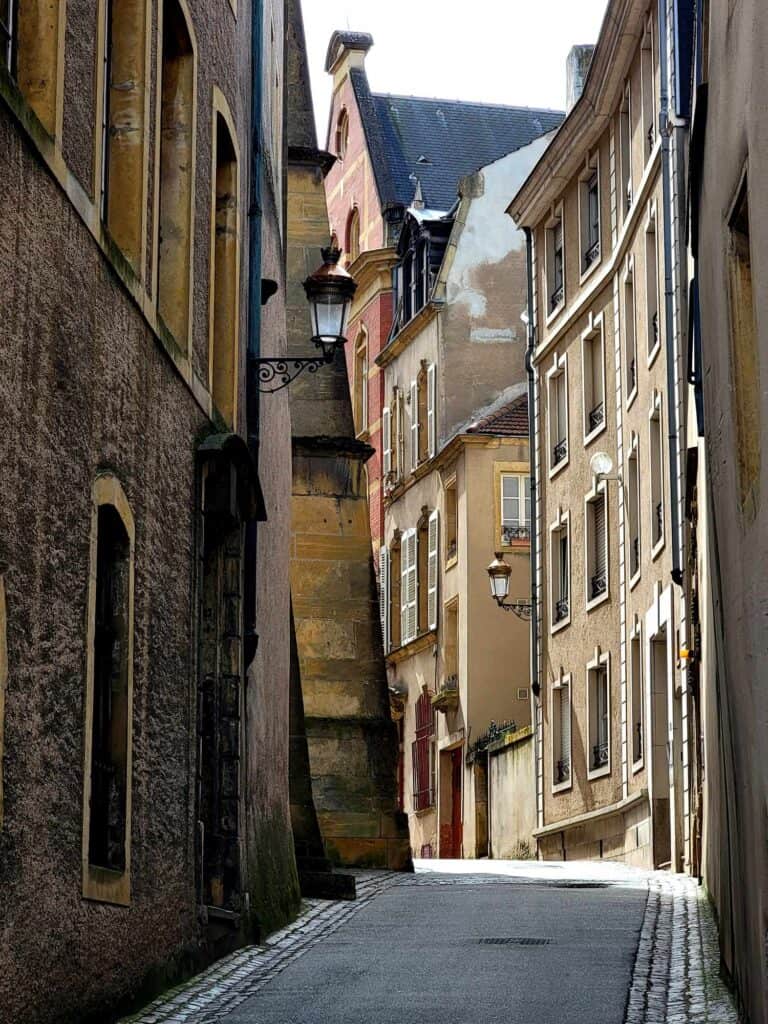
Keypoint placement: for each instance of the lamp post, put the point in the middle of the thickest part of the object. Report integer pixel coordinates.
(499, 572)
(330, 291)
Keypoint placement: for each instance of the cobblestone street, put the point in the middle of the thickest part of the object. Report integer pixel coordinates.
(477, 941)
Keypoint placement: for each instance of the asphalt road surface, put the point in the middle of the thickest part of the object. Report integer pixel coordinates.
(466, 951)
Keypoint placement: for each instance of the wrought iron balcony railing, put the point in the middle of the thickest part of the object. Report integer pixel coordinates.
(509, 534)
(597, 416)
(592, 254)
(600, 755)
(562, 771)
(560, 451)
(557, 298)
(629, 195)
(659, 524)
(451, 550)
(651, 136)
(635, 560)
(638, 749)
(655, 328)
(561, 609)
(598, 584)
(632, 375)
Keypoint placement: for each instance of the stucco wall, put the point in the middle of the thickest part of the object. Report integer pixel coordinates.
(512, 796)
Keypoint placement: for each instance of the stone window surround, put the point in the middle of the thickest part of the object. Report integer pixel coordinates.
(556, 219)
(558, 368)
(656, 489)
(563, 680)
(628, 281)
(601, 659)
(591, 170)
(562, 522)
(653, 346)
(595, 328)
(600, 489)
(634, 454)
(636, 636)
(501, 470)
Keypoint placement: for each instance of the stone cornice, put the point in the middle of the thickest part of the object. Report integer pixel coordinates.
(619, 37)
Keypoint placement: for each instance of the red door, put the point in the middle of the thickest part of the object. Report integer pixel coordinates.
(456, 824)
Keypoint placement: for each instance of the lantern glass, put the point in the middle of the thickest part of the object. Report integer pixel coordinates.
(329, 316)
(330, 291)
(498, 574)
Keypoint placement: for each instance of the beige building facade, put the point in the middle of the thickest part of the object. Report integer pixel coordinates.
(612, 777)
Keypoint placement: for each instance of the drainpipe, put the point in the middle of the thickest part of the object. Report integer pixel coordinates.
(535, 685)
(669, 316)
(252, 406)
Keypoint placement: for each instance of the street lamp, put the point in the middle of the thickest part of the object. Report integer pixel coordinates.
(499, 572)
(330, 291)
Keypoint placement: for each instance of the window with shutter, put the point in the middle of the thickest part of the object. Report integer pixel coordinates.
(597, 548)
(431, 411)
(422, 754)
(409, 587)
(432, 570)
(598, 700)
(414, 424)
(384, 598)
(386, 441)
(561, 723)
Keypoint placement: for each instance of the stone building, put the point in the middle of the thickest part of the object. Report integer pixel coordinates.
(727, 522)
(385, 145)
(144, 637)
(603, 215)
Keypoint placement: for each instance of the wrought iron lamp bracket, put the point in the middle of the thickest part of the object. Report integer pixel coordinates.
(278, 372)
(522, 609)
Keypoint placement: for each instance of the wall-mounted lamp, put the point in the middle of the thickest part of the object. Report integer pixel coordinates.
(330, 291)
(499, 572)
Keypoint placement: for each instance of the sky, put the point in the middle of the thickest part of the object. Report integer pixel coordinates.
(497, 51)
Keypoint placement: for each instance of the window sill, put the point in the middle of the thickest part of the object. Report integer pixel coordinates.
(562, 787)
(653, 354)
(554, 470)
(555, 313)
(104, 886)
(557, 626)
(586, 274)
(415, 646)
(589, 438)
(452, 562)
(637, 766)
(521, 546)
(631, 397)
(595, 602)
(634, 580)
(364, 435)
(599, 773)
(658, 548)
(424, 811)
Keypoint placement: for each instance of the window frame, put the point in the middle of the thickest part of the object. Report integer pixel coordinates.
(626, 182)
(556, 221)
(341, 138)
(633, 456)
(595, 330)
(451, 522)
(656, 489)
(521, 472)
(558, 369)
(628, 283)
(636, 637)
(590, 545)
(601, 661)
(559, 684)
(422, 753)
(561, 525)
(590, 175)
(409, 569)
(360, 379)
(652, 288)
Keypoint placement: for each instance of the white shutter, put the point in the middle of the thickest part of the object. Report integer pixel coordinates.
(384, 598)
(432, 570)
(414, 424)
(409, 588)
(386, 441)
(565, 725)
(431, 411)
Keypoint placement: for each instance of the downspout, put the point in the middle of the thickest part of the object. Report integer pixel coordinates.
(252, 404)
(669, 315)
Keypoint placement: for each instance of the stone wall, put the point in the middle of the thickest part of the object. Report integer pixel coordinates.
(511, 796)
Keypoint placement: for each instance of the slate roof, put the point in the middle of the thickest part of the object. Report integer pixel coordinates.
(509, 421)
(439, 141)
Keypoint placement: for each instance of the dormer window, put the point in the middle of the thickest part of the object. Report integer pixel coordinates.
(412, 283)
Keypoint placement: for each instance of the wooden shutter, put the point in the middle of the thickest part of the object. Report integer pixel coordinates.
(414, 424)
(409, 588)
(431, 411)
(565, 725)
(432, 569)
(384, 598)
(598, 518)
(386, 440)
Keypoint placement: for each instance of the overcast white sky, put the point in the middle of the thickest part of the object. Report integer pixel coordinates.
(498, 51)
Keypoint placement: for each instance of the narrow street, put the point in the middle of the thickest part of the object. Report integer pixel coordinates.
(489, 942)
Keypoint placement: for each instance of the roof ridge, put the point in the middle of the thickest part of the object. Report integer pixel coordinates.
(464, 103)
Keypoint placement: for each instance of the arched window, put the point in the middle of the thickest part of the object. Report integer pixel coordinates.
(123, 137)
(29, 48)
(361, 381)
(177, 118)
(353, 235)
(342, 134)
(109, 697)
(226, 262)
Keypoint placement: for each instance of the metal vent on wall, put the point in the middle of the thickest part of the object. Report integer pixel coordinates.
(520, 941)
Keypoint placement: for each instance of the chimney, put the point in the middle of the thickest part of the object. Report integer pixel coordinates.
(576, 71)
(346, 50)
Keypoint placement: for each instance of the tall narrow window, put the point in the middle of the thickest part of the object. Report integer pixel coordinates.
(353, 235)
(560, 573)
(557, 393)
(561, 732)
(123, 144)
(395, 588)
(630, 333)
(176, 173)
(451, 522)
(625, 152)
(652, 287)
(648, 76)
(109, 688)
(226, 264)
(342, 134)
(433, 568)
(423, 400)
(636, 672)
(589, 216)
(409, 588)
(451, 645)
(515, 508)
(384, 595)
(431, 411)
(401, 438)
(555, 264)
(657, 478)
(386, 443)
(423, 775)
(361, 382)
(633, 518)
(597, 548)
(745, 357)
(598, 697)
(29, 47)
(414, 404)
(593, 361)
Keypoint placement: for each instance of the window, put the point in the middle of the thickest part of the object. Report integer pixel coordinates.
(657, 478)
(386, 443)
(597, 546)
(409, 588)
(451, 522)
(745, 356)
(392, 439)
(3, 681)
(561, 572)
(361, 382)
(625, 152)
(423, 400)
(633, 511)
(427, 575)
(652, 286)
(557, 394)
(648, 76)
(451, 645)
(636, 709)
(555, 263)
(630, 335)
(177, 118)
(414, 403)
(431, 411)
(225, 275)
(593, 363)
(412, 280)
(123, 145)
(561, 733)
(109, 696)
(342, 134)
(433, 568)
(393, 583)
(598, 698)
(384, 595)
(353, 235)
(29, 49)
(589, 216)
(515, 508)
(423, 752)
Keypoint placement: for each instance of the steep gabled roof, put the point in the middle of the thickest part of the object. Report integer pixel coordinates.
(437, 142)
(509, 421)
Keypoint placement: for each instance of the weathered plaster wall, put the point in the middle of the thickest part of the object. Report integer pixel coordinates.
(512, 796)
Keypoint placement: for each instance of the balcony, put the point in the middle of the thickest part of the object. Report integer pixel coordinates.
(592, 255)
(447, 697)
(562, 771)
(600, 755)
(514, 534)
(597, 417)
(559, 452)
(556, 298)
(561, 609)
(598, 585)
